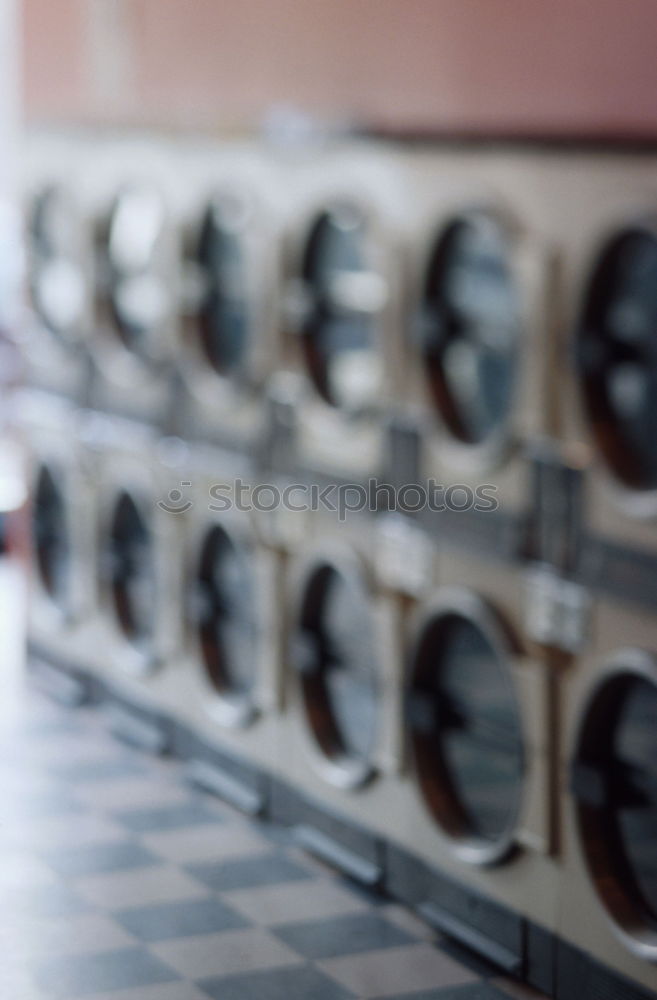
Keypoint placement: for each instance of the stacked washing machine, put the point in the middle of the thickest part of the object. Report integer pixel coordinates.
(609, 800)
(343, 490)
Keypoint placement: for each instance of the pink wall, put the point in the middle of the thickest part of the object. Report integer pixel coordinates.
(517, 65)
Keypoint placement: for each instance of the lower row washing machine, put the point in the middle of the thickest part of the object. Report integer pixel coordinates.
(137, 556)
(340, 741)
(61, 491)
(608, 903)
(478, 803)
(224, 686)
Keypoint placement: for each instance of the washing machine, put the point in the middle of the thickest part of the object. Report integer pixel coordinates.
(473, 842)
(340, 742)
(477, 365)
(57, 324)
(602, 219)
(61, 486)
(136, 303)
(230, 297)
(609, 808)
(125, 186)
(138, 550)
(343, 304)
(224, 692)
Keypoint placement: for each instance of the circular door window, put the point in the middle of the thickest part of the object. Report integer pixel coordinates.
(139, 295)
(57, 279)
(223, 314)
(344, 299)
(617, 356)
(336, 660)
(615, 787)
(471, 328)
(132, 572)
(226, 617)
(50, 535)
(466, 728)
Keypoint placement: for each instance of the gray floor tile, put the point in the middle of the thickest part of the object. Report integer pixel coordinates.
(67, 977)
(173, 817)
(267, 869)
(345, 935)
(176, 920)
(304, 983)
(94, 859)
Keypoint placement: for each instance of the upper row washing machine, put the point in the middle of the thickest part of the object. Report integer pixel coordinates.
(228, 209)
(343, 304)
(598, 211)
(477, 364)
(58, 316)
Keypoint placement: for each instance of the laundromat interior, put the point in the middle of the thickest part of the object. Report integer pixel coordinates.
(328, 500)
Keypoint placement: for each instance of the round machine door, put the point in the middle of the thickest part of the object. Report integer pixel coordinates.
(132, 571)
(466, 728)
(223, 315)
(57, 277)
(139, 287)
(337, 663)
(345, 297)
(50, 535)
(617, 356)
(471, 328)
(614, 782)
(226, 619)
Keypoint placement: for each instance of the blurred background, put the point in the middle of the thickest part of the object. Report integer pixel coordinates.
(511, 66)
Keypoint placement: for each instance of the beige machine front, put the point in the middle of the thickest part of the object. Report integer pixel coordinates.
(478, 789)
(477, 336)
(340, 741)
(228, 205)
(63, 495)
(60, 276)
(343, 304)
(138, 555)
(609, 697)
(225, 685)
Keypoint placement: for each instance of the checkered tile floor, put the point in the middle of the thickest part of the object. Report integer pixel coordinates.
(120, 882)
